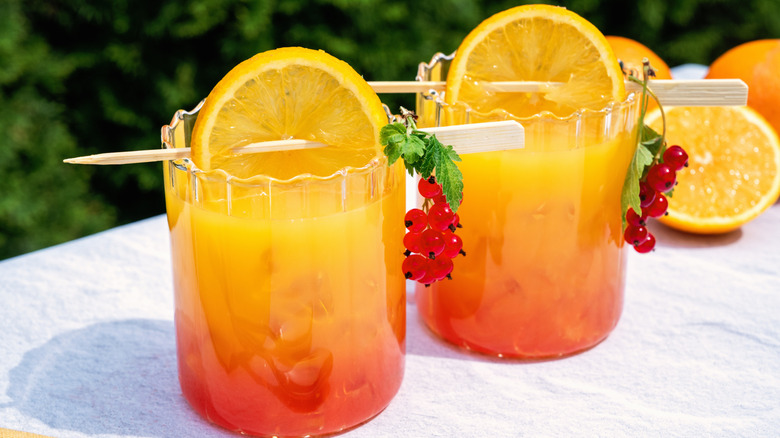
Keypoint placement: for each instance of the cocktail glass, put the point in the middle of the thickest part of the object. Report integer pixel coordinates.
(545, 262)
(290, 302)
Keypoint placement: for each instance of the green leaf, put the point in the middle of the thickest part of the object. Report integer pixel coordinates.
(413, 148)
(642, 159)
(630, 196)
(452, 154)
(388, 133)
(650, 143)
(451, 180)
(428, 162)
(396, 138)
(652, 140)
(393, 152)
(410, 168)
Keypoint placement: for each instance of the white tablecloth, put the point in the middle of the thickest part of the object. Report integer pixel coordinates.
(87, 349)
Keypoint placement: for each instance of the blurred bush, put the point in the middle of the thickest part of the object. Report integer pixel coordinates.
(88, 76)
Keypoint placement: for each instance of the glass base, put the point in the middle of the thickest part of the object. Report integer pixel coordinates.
(476, 349)
(338, 431)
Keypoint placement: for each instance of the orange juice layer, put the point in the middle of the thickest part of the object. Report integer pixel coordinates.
(289, 327)
(545, 267)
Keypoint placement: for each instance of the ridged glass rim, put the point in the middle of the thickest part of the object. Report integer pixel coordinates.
(183, 120)
(424, 69)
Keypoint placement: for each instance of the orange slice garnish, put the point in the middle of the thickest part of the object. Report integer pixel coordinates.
(536, 43)
(289, 93)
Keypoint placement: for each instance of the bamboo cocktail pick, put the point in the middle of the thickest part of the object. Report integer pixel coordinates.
(466, 139)
(670, 92)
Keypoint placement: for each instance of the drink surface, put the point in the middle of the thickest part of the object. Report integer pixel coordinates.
(288, 326)
(545, 266)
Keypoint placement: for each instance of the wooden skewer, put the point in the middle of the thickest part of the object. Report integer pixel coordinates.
(699, 92)
(130, 157)
(466, 139)
(481, 137)
(145, 156)
(671, 92)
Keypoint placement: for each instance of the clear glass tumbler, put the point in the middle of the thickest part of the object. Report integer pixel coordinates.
(290, 303)
(545, 267)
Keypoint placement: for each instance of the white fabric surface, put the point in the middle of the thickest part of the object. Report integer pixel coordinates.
(87, 349)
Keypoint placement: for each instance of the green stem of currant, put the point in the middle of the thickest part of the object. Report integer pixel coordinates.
(647, 93)
(408, 117)
(663, 125)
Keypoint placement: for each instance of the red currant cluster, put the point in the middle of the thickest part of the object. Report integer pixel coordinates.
(431, 242)
(660, 179)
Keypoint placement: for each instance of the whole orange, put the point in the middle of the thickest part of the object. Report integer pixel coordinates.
(764, 93)
(631, 53)
(758, 64)
(739, 62)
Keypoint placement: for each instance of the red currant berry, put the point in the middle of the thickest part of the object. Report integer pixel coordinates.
(413, 241)
(429, 188)
(635, 235)
(661, 177)
(414, 267)
(634, 219)
(432, 242)
(415, 220)
(440, 216)
(676, 157)
(647, 245)
(428, 278)
(440, 268)
(455, 222)
(658, 207)
(646, 194)
(453, 245)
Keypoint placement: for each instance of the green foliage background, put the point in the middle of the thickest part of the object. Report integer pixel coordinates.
(87, 76)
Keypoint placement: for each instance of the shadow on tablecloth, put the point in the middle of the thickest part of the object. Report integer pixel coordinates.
(115, 377)
(667, 236)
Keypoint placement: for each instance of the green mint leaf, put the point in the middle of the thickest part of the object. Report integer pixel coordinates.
(388, 133)
(396, 138)
(652, 140)
(451, 180)
(642, 158)
(413, 149)
(452, 154)
(410, 168)
(630, 196)
(393, 152)
(447, 172)
(427, 164)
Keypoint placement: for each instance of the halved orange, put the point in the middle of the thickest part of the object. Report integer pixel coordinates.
(289, 93)
(536, 43)
(734, 167)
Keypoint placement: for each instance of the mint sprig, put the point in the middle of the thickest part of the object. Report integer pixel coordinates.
(423, 153)
(650, 147)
